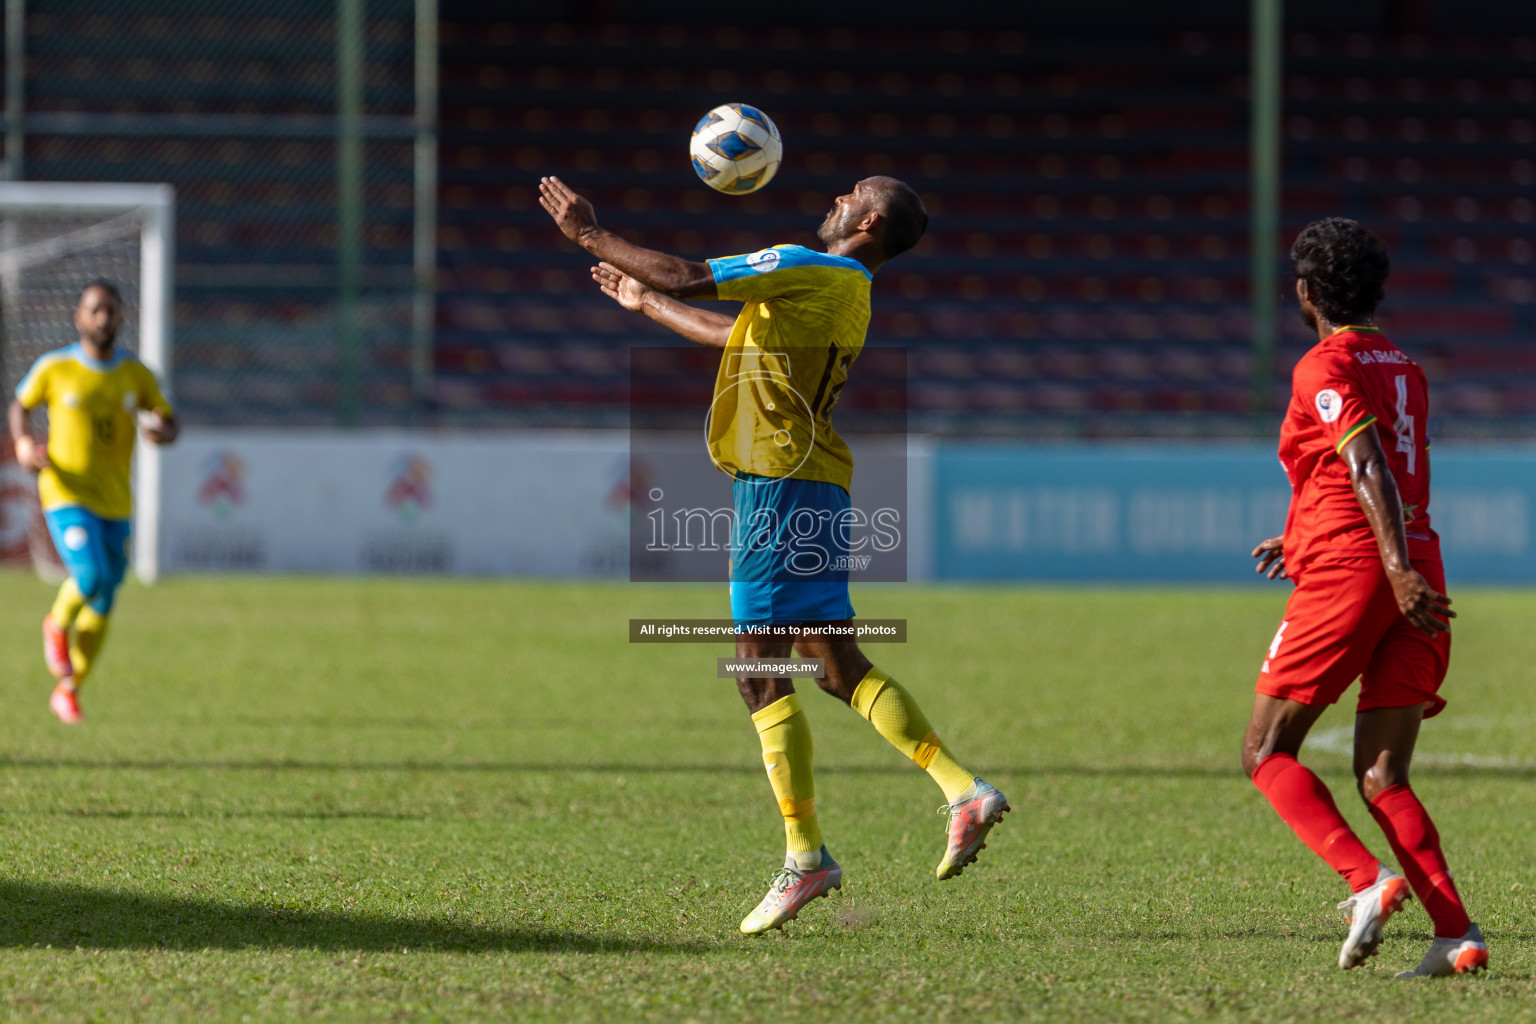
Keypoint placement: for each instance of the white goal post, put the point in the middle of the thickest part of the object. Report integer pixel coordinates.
(56, 236)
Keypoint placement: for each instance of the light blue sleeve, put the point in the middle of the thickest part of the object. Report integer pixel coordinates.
(779, 257)
(767, 273)
(31, 392)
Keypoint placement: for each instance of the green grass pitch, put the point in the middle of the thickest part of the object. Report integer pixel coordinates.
(430, 800)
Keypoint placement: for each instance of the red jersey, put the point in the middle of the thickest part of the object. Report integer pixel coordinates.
(1354, 380)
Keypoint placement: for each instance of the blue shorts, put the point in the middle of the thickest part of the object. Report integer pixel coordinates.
(788, 554)
(93, 549)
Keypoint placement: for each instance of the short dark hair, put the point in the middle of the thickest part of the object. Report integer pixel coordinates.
(1345, 267)
(906, 218)
(104, 285)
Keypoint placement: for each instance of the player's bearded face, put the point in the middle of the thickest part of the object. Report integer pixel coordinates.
(98, 317)
(839, 221)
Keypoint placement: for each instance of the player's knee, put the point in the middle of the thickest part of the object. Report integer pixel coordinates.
(1257, 745)
(836, 686)
(1372, 779)
(91, 581)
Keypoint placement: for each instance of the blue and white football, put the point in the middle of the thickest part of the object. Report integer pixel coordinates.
(735, 148)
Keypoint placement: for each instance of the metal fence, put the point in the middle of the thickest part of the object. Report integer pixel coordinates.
(300, 139)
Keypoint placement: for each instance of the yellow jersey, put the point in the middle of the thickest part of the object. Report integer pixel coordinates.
(92, 408)
(788, 356)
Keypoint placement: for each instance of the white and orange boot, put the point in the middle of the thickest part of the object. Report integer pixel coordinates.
(1466, 955)
(969, 819)
(56, 649)
(65, 703)
(789, 891)
(1369, 910)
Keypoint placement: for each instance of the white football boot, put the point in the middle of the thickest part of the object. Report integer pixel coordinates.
(1466, 955)
(789, 891)
(1369, 910)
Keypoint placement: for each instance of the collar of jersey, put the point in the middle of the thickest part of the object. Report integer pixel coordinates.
(848, 260)
(77, 350)
(1357, 328)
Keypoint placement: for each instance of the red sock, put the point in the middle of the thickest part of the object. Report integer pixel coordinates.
(1306, 805)
(1417, 844)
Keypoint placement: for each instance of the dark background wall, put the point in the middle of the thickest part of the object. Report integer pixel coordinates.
(1097, 16)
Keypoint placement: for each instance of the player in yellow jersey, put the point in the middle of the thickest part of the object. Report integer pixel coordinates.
(785, 358)
(94, 393)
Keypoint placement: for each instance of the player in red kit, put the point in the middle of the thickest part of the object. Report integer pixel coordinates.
(1369, 600)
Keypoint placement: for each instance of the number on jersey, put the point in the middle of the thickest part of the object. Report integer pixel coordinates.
(1404, 425)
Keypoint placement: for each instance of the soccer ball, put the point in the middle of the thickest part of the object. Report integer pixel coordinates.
(735, 148)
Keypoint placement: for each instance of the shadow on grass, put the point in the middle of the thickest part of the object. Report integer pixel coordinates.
(65, 916)
(227, 815)
(895, 767)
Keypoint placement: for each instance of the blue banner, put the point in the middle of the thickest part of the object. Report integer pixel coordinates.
(1179, 514)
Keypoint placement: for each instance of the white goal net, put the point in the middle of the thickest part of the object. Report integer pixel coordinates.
(54, 239)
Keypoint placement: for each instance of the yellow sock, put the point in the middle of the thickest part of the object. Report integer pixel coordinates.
(90, 632)
(896, 716)
(67, 605)
(787, 750)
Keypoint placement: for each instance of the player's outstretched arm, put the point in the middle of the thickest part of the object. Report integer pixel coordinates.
(31, 455)
(699, 326)
(1376, 490)
(670, 275)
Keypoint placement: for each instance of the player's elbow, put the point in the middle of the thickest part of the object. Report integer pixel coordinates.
(1371, 471)
(16, 418)
(689, 281)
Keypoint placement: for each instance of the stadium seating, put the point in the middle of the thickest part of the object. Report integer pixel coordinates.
(1086, 272)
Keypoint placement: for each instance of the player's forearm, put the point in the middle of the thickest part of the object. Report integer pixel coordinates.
(699, 326)
(672, 275)
(16, 420)
(1377, 493)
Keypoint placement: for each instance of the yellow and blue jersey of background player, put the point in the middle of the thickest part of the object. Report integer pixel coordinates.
(92, 408)
(787, 358)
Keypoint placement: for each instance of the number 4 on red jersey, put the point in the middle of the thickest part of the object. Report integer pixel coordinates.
(1353, 380)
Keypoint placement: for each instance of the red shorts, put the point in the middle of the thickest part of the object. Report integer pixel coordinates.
(1342, 623)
